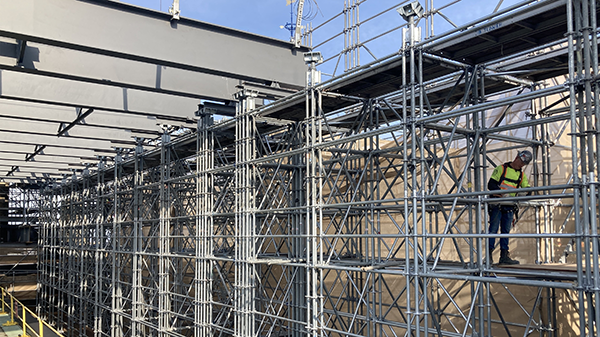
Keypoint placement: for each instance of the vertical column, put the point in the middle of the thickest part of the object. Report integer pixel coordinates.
(406, 189)
(588, 111)
(542, 176)
(422, 196)
(410, 162)
(314, 247)
(478, 185)
(594, 182)
(582, 102)
(245, 151)
(71, 253)
(116, 293)
(351, 34)
(60, 255)
(136, 282)
(84, 246)
(583, 64)
(47, 263)
(298, 243)
(164, 318)
(481, 179)
(204, 225)
(52, 263)
(372, 219)
(98, 251)
(42, 258)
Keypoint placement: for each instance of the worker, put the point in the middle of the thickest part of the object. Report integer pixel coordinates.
(508, 176)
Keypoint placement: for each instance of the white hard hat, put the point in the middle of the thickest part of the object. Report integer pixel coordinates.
(525, 156)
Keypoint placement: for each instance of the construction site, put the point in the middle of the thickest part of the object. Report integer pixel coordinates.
(164, 176)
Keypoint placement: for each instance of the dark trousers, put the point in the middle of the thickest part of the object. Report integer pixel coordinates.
(500, 217)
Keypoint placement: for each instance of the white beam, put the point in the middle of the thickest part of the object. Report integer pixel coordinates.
(32, 164)
(27, 170)
(34, 175)
(21, 180)
(40, 158)
(170, 55)
(17, 85)
(25, 149)
(33, 139)
(60, 114)
(51, 129)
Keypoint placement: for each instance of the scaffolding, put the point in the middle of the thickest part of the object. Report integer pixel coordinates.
(21, 218)
(356, 207)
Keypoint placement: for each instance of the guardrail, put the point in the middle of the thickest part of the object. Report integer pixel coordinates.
(17, 308)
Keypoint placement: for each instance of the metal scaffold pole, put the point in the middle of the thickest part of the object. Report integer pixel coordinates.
(204, 242)
(98, 247)
(245, 221)
(314, 190)
(115, 240)
(164, 245)
(136, 280)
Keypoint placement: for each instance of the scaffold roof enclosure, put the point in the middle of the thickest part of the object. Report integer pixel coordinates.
(221, 183)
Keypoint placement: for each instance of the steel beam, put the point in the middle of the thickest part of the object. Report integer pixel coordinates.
(185, 58)
(35, 164)
(52, 129)
(25, 149)
(39, 158)
(121, 73)
(31, 172)
(36, 175)
(66, 92)
(64, 128)
(33, 139)
(53, 113)
(20, 180)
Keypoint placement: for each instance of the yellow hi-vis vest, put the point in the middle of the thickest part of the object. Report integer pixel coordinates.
(508, 178)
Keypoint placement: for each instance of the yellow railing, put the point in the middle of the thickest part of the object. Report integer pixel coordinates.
(14, 307)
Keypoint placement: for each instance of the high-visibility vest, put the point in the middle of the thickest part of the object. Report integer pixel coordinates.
(508, 185)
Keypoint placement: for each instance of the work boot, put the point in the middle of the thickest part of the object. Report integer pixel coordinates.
(505, 258)
(490, 252)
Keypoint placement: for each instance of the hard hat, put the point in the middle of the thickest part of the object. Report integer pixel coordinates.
(525, 156)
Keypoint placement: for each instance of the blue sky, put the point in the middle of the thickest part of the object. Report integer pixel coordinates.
(265, 17)
(256, 16)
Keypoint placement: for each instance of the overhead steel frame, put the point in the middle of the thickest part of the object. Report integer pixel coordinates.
(336, 222)
(119, 88)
